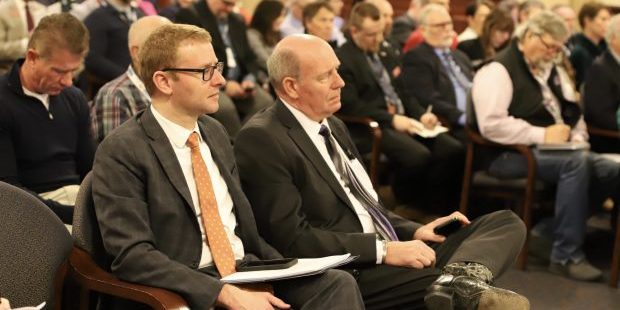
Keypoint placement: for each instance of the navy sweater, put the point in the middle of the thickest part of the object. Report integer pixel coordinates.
(40, 152)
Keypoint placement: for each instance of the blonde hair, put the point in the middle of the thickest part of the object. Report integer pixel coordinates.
(160, 49)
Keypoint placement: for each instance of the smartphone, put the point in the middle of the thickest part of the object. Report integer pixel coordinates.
(448, 227)
(270, 264)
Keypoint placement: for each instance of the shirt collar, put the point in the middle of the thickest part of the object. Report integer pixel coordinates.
(133, 77)
(177, 134)
(310, 126)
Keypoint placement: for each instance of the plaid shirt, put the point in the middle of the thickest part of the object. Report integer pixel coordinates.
(117, 101)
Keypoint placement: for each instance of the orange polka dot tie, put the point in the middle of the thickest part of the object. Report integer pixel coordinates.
(218, 243)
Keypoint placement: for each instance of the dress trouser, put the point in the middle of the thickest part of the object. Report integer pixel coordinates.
(493, 240)
(428, 172)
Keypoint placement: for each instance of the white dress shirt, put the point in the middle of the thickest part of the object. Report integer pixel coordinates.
(492, 94)
(178, 135)
(312, 130)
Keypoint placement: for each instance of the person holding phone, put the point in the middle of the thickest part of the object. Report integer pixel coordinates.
(311, 197)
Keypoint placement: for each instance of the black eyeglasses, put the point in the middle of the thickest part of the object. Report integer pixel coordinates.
(207, 72)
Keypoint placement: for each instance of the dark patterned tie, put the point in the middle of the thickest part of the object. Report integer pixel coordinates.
(383, 78)
(372, 206)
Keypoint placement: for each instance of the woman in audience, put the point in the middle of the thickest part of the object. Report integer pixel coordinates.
(496, 33)
(318, 19)
(264, 31)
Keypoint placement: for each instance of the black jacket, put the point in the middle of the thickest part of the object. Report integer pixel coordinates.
(362, 95)
(200, 15)
(426, 79)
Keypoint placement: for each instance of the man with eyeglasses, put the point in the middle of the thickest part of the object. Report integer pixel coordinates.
(46, 145)
(168, 199)
(426, 168)
(241, 70)
(524, 97)
(437, 75)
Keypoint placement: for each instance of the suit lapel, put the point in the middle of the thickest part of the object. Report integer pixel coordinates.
(165, 154)
(301, 139)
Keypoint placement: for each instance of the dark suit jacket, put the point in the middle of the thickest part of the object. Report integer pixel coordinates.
(601, 97)
(200, 15)
(299, 205)
(362, 95)
(145, 211)
(108, 56)
(426, 79)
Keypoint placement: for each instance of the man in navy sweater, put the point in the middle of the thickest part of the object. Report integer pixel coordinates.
(46, 144)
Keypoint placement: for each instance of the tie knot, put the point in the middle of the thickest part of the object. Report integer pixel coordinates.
(193, 141)
(324, 131)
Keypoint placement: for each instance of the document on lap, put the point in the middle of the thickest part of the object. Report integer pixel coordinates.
(304, 267)
(568, 146)
(428, 133)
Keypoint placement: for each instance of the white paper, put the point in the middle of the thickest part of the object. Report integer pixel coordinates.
(304, 267)
(568, 146)
(428, 133)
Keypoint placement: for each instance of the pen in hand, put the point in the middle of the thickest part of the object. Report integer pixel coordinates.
(429, 109)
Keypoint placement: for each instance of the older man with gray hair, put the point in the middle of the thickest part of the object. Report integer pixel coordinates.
(523, 97)
(311, 197)
(602, 91)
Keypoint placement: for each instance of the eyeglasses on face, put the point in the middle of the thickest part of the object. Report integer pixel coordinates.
(207, 72)
(443, 25)
(554, 47)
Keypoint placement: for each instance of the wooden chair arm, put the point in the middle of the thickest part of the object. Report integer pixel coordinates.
(606, 133)
(523, 149)
(86, 272)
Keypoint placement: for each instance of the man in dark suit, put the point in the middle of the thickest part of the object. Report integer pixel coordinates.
(311, 197)
(230, 42)
(428, 170)
(437, 75)
(168, 198)
(601, 94)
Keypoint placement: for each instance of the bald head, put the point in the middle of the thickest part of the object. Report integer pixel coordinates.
(140, 31)
(285, 59)
(304, 71)
(387, 12)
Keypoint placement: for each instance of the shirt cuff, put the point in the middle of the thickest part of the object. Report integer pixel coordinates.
(537, 135)
(379, 245)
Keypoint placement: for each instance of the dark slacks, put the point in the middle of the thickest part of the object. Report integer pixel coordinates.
(334, 289)
(493, 240)
(428, 172)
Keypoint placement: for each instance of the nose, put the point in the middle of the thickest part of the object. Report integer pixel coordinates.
(339, 83)
(66, 80)
(218, 79)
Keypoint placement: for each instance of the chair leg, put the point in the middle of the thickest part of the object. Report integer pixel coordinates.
(615, 261)
(467, 175)
(526, 216)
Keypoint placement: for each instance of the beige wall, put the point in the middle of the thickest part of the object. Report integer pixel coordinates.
(249, 4)
(576, 4)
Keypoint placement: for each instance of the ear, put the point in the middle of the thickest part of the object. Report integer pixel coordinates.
(32, 55)
(163, 82)
(290, 87)
(133, 51)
